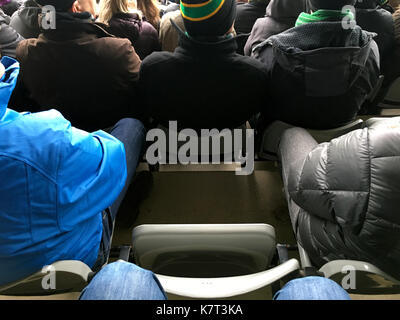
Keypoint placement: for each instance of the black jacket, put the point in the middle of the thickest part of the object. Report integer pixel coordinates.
(203, 85)
(373, 18)
(320, 73)
(247, 14)
(280, 15)
(347, 193)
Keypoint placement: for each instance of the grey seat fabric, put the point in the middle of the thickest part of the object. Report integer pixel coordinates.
(344, 195)
(294, 147)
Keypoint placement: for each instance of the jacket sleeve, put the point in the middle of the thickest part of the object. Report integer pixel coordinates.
(91, 174)
(131, 60)
(334, 182)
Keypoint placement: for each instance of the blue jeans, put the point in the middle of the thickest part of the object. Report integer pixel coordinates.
(123, 281)
(312, 288)
(131, 133)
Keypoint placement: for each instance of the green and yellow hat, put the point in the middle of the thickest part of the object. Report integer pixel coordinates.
(208, 17)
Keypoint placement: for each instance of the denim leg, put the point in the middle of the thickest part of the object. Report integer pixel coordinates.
(131, 133)
(124, 281)
(312, 288)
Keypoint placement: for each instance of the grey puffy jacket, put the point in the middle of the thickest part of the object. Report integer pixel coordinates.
(25, 20)
(348, 192)
(9, 38)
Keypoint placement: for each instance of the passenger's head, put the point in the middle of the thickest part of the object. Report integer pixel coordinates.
(315, 5)
(110, 7)
(208, 18)
(75, 6)
(150, 11)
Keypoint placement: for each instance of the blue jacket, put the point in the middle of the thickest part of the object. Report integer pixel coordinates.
(55, 180)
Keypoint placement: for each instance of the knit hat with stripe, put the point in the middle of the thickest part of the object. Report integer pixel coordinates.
(208, 18)
(315, 5)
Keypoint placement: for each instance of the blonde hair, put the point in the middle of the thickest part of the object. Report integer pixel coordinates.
(150, 11)
(110, 7)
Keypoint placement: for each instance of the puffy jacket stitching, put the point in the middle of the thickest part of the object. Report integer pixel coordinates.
(369, 184)
(384, 255)
(395, 225)
(383, 157)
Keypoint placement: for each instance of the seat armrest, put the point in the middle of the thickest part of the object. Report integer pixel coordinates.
(224, 287)
(360, 277)
(327, 135)
(61, 276)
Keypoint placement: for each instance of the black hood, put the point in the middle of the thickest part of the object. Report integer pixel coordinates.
(324, 56)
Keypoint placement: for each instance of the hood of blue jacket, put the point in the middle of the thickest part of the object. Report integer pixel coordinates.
(7, 82)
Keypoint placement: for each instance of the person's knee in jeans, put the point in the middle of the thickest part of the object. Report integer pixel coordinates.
(312, 288)
(124, 281)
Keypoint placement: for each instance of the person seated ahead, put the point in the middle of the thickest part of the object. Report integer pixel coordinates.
(78, 67)
(123, 20)
(246, 15)
(280, 16)
(9, 38)
(343, 195)
(61, 187)
(322, 70)
(25, 19)
(204, 83)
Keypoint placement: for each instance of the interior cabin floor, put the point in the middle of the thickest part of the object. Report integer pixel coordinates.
(210, 194)
(192, 197)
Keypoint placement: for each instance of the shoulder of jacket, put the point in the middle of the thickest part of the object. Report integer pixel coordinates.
(158, 57)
